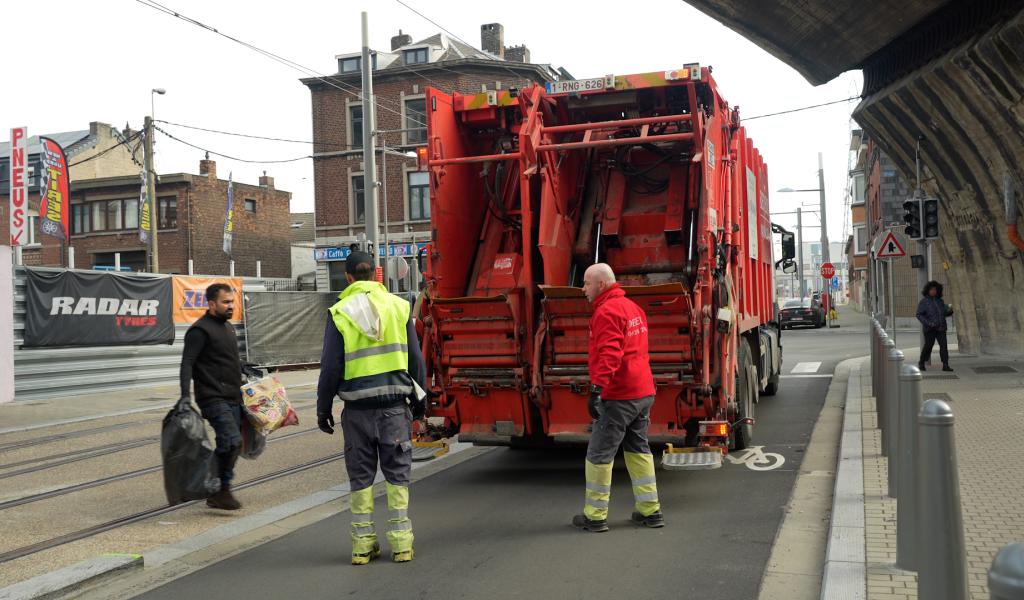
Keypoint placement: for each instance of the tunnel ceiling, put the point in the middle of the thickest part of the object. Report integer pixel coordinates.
(820, 39)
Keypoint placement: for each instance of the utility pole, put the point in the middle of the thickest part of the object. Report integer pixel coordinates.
(800, 252)
(824, 226)
(154, 212)
(369, 151)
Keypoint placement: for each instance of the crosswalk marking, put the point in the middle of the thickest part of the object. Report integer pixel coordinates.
(806, 367)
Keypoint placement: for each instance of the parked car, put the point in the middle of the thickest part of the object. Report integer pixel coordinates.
(805, 311)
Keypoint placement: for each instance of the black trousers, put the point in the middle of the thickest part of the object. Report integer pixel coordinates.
(226, 419)
(930, 337)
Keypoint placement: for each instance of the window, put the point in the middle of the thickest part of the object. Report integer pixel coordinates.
(131, 213)
(33, 227)
(419, 195)
(416, 57)
(114, 215)
(355, 126)
(359, 199)
(860, 239)
(168, 213)
(350, 65)
(99, 216)
(416, 121)
(250, 205)
(80, 218)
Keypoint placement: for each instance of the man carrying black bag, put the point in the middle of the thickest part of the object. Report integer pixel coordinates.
(211, 359)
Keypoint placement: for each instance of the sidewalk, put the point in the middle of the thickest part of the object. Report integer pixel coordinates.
(987, 398)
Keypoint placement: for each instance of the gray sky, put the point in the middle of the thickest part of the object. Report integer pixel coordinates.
(113, 52)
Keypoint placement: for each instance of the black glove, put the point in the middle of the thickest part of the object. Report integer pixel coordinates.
(185, 398)
(418, 408)
(594, 403)
(326, 423)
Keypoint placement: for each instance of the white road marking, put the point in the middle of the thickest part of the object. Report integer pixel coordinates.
(806, 367)
(814, 376)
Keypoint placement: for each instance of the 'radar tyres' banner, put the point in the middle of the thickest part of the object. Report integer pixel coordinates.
(97, 309)
(190, 297)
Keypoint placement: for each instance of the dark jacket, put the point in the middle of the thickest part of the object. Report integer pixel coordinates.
(332, 371)
(932, 312)
(618, 361)
(211, 358)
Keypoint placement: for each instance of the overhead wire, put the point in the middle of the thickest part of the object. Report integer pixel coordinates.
(123, 142)
(228, 156)
(786, 112)
(258, 137)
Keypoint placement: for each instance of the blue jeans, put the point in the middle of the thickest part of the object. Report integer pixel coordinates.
(226, 419)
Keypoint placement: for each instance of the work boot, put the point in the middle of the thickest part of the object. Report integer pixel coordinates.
(653, 520)
(224, 499)
(947, 368)
(362, 559)
(400, 557)
(920, 367)
(586, 524)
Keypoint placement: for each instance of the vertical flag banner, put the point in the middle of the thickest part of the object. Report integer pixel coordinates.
(19, 186)
(229, 220)
(55, 191)
(145, 214)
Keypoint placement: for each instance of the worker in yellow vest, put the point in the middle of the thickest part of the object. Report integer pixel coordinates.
(370, 360)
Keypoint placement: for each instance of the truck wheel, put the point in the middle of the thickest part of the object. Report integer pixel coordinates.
(772, 387)
(745, 390)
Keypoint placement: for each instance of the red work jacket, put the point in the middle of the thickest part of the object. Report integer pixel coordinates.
(618, 359)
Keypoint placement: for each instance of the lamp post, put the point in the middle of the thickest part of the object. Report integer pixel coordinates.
(154, 212)
(799, 242)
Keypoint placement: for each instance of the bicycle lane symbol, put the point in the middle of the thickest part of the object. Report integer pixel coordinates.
(756, 459)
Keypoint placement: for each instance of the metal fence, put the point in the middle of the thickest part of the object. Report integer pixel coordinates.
(286, 328)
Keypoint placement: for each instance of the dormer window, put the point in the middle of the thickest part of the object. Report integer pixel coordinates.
(417, 56)
(353, 64)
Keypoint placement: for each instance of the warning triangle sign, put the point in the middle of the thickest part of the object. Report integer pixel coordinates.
(890, 247)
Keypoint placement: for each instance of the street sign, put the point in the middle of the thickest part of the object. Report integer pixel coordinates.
(835, 282)
(890, 247)
(828, 271)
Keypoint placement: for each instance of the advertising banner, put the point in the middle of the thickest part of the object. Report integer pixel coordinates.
(55, 191)
(145, 210)
(97, 309)
(19, 187)
(190, 297)
(229, 218)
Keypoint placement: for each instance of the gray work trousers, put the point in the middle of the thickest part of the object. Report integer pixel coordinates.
(379, 433)
(622, 422)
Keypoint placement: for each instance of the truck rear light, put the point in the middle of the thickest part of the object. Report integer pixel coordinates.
(714, 429)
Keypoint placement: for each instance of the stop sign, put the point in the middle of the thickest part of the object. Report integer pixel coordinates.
(828, 270)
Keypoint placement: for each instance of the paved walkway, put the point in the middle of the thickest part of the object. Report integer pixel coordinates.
(987, 397)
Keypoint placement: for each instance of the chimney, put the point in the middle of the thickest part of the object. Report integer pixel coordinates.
(492, 39)
(517, 54)
(266, 182)
(402, 39)
(208, 167)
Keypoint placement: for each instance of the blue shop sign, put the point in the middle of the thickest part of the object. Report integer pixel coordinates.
(342, 252)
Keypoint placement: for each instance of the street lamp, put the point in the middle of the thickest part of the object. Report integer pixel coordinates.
(161, 91)
(821, 193)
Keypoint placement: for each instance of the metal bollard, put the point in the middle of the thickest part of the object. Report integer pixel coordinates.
(884, 393)
(894, 363)
(1006, 576)
(942, 561)
(874, 356)
(906, 506)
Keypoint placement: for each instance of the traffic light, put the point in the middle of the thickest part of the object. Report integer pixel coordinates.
(930, 218)
(912, 217)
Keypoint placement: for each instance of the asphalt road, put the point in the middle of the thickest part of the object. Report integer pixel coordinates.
(498, 526)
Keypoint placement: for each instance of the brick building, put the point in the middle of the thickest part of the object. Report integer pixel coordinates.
(104, 221)
(879, 191)
(400, 78)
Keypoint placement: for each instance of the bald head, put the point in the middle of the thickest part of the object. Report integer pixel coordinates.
(596, 279)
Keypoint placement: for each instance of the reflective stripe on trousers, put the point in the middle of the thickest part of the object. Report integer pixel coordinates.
(364, 536)
(645, 487)
(399, 526)
(599, 491)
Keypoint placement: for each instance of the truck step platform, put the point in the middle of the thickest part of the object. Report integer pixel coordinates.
(691, 459)
(424, 451)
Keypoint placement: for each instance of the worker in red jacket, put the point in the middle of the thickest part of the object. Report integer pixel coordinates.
(621, 396)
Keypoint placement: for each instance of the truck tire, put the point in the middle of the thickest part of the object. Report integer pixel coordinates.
(772, 387)
(746, 387)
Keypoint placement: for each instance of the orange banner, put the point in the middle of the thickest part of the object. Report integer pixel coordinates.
(190, 297)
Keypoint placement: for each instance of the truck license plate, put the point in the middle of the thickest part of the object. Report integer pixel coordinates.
(578, 85)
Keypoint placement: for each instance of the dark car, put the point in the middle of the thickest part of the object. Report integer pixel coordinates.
(804, 312)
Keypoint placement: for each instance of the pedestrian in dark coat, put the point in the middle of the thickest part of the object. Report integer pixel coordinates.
(932, 311)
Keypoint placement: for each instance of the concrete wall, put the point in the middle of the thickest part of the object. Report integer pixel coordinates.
(6, 324)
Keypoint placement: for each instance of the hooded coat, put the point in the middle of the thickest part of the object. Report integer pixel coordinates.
(932, 312)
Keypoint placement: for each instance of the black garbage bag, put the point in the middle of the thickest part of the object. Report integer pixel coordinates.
(189, 472)
(253, 442)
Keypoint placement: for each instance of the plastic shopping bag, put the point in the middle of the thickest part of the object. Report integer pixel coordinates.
(253, 442)
(266, 405)
(189, 473)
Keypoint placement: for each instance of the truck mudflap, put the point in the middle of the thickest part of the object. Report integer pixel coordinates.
(561, 381)
(480, 367)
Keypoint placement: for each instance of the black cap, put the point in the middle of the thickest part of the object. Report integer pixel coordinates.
(356, 258)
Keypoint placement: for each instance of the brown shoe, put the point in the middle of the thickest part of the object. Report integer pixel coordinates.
(224, 500)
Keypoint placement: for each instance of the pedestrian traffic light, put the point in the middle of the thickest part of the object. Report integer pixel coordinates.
(930, 218)
(912, 217)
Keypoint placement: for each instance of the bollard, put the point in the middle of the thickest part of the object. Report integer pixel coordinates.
(874, 356)
(894, 363)
(942, 562)
(1006, 576)
(884, 392)
(906, 441)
